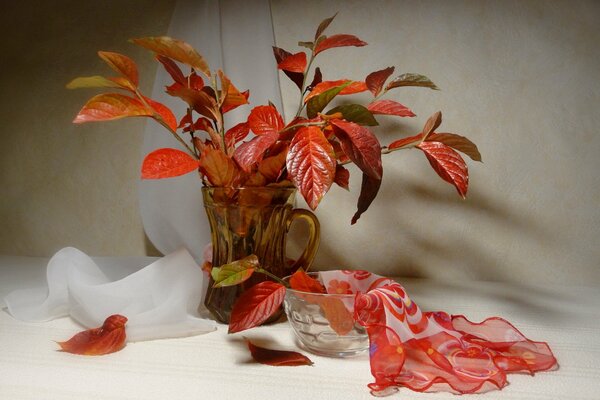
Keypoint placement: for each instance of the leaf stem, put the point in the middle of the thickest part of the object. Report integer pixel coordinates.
(270, 275)
(161, 121)
(291, 127)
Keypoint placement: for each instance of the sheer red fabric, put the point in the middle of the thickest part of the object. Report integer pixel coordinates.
(433, 351)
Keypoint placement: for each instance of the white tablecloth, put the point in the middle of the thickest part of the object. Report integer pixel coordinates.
(218, 366)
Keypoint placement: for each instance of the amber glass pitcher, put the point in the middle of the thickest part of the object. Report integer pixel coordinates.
(253, 220)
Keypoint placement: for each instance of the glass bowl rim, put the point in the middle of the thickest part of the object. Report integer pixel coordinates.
(312, 274)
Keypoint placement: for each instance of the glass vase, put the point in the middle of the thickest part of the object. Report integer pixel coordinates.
(253, 220)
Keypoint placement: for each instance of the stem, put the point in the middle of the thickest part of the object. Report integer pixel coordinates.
(303, 89)
(289, 128)
(220, 127)
(270, 275)
(161, 121)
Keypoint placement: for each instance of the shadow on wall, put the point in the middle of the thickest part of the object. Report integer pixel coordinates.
(433, 234)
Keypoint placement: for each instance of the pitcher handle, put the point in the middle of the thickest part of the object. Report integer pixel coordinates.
(314, 237)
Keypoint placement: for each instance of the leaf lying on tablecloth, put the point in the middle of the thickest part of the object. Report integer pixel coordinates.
(277, 358)
(109, 338)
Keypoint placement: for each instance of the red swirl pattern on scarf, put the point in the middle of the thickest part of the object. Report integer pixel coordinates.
(434, 351)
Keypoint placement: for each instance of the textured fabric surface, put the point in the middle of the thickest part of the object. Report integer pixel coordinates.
(218, 366)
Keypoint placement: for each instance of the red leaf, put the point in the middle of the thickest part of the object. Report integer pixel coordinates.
(311, 164)
(194, 81)
(256, 305)
(173, 69)
(296, 77)
(342, 177)
(265, 120)
(122, 65)
(352, 88)
(338, 41)
(111, 106)
(432, 124)
(236, 134)
(303, 282)
(220, 170)
(249, 153)
(448, 164)
(277, 358)
(98, 341)
(368, 191)
(164, 112)
(361, 146)
(294, 63)
(232, 97)
(317, 78)
(457, 142)
(407, 140)
(375, 80)
(201, 101)
(167, 163)
(390, 107)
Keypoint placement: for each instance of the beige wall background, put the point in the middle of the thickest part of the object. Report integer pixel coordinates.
(521, 79)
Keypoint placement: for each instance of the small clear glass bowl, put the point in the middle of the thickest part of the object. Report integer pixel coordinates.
(312, 316)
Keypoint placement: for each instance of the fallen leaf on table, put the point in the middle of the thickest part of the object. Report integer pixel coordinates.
(109, 338)
(277, 358)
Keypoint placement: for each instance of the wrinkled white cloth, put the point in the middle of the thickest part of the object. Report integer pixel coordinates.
(159, 301)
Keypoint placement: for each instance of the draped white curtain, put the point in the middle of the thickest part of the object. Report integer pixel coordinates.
(235, 36)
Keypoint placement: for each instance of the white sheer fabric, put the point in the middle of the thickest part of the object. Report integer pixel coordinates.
(235, 36)
(160, 300)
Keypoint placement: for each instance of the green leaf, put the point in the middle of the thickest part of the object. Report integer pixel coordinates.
(308, 45)
(323, 25)
(95, 81)
(355, 113)
(411, 79)
(234, 273)
(318, 103)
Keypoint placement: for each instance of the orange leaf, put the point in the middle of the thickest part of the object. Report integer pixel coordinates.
(405, 141)
(220, 170)
(352, 88)
(265, 120)
(176, 49)
(311, 164)
(271, 167)
(390, 107)
(294, 63)
(232, 97)
(375, 80)
(338, 41)
(448, 164)
(122, 65)
(164, 112)
(303, 282)
(200, 100)
(256, 305)
(98, 341)
(277, 358)
(111, 106)
(340, 318)
(167, 163)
